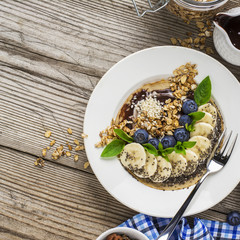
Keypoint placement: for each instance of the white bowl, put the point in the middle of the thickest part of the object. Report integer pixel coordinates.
(109, 95)
(130, 232)
(223, 43)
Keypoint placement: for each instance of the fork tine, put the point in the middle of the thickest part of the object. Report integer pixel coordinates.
(220, 139)
(225, 144)
(230, 150)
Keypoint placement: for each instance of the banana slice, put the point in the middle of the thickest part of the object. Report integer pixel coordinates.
(133, 156)
(208, 107)
(179, 164)
(208, 118)
(202, 147)
(149, 168)
(164, 169)
(192, 162)
(202, 129)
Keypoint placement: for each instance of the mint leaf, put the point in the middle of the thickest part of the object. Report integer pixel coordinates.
(196, 116)
(168, 150)
(183, 151)
(160, 146)
(179, 148)
(178, 144)
(113, 148)
(150, 148)
(165, 157)
(190, 127)
(123, 135)
(189, 144)
(202, 93)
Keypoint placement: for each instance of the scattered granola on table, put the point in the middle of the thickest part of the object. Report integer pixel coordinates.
(60, 150)
(79, 147)
(76, 142)
(69, 146)
(47, 134)
(58, 153)
(68, 154)
(69, 130)
(76, 158)
(52, 142)
(44, 152)
(86, 165)
(83, 135)
(39, 162)
(197, 40)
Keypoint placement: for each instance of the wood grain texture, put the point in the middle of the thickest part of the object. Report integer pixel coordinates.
(57, 202)
(52, 55)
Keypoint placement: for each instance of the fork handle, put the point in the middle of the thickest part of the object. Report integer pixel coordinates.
(167, 232)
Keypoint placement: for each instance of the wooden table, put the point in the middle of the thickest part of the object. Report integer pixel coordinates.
(52, 55)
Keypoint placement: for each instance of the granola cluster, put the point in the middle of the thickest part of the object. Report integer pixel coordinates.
(167, 120)
(183, 80)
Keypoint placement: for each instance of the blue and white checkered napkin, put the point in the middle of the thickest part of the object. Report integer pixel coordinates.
(203, 229)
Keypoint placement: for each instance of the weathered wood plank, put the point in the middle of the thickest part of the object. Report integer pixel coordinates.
(57, 202)
(45, 82)
(30, 105)
(52, 54)
(53, 202)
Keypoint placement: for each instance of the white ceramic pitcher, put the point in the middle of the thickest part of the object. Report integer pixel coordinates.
(222, 42)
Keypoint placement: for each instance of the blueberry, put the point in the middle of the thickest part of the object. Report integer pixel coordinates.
(185, 119)
(189, 106)
(181, 134)
(233, 218)
(154, 142)
(168, 141)
(141, 136)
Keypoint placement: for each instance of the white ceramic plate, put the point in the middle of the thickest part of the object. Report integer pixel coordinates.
(109, 95)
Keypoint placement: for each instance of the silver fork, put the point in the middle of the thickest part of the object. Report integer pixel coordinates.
(217, 162)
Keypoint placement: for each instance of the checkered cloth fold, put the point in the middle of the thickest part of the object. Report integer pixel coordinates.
(202, 230)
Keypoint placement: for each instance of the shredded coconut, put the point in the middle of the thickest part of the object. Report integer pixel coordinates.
(151, 106)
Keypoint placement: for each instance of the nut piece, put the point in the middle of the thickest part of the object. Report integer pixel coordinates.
(174, 41)
(76, 158)
(86, 165)
(84, 135)
(200, 25)
(58, 153)
(47, 134)
(48, 147)
(44, 152)
(39, 162)
(69, 146)
(52, 142)
(209, 50)
(76, 142)
(79, 148)
(68, 154)
(69, 130)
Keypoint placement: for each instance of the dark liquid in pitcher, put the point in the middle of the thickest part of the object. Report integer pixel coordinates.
(232, 27)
